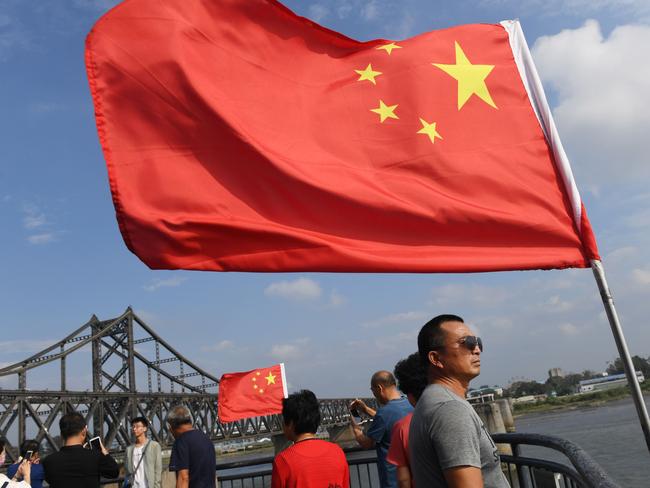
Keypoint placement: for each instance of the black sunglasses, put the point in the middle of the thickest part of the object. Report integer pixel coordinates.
(470, 342)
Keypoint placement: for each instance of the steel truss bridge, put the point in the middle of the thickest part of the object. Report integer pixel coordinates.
(125, 352)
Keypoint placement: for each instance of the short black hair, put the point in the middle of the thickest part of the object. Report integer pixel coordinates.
(29, 445)
(411, 375)
(3, 443)
(383, 378)
(142, 420)
(431, 336)
(303, 410)
(71, 424)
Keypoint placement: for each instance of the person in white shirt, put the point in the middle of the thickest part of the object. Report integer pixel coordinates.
(144, 458)
(23, 473)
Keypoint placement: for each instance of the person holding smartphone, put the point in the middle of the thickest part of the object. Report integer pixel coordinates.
(21, 478)
(75, 466)
(29, 451)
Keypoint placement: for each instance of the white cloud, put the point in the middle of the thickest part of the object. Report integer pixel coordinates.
(396, 319)
(285, 352)
(336, 299)
(556, 304)
(568, 329)
(44, 238)
(641, 276)
(33, 217)
(298, 289)
(318, 12)
(468, 295)
(219, 346)
(165, 283)
(370, 10)
(12, 36)
(25, 346)
(601, 84)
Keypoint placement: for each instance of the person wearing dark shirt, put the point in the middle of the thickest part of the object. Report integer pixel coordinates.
(309, 462)
(74, 466)
(193, 457)
(37, 473)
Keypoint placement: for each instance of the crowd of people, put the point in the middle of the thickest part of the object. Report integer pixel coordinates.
(431, 437)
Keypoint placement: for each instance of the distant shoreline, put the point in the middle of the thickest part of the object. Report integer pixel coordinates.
(575, 402)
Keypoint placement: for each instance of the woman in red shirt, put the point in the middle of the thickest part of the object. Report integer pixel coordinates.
(309, 462)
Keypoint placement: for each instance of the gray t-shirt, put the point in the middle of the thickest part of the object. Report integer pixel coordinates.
(446, 432)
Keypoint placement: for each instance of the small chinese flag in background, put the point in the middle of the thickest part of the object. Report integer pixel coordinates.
(252, 393)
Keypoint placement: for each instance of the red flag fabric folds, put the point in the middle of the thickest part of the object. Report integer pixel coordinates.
(239, 136)
(252, 393)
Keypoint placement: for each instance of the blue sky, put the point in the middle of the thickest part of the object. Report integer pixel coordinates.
(62, 257)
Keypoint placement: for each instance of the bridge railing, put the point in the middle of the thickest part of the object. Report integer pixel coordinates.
(577, 469)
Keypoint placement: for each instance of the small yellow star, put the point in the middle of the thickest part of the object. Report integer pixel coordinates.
(254, 379)
(255, 386)
(430, 130)
(389, 47)
(261, 390)
(258, 373)
(270, 379)
(368, 74)
(385, 111)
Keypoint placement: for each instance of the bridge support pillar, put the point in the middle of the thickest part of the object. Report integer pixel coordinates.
(280, 443)
(506, 414)
(340, 434)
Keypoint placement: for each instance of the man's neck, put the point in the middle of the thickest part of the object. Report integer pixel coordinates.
(74, 440)
(303, 436)
(140, 440)
(393, 395)
(455, 385)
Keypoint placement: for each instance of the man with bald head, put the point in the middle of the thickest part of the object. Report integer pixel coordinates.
(392, 407)
(448, 444)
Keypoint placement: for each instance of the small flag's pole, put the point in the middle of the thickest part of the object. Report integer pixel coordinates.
(624, 353)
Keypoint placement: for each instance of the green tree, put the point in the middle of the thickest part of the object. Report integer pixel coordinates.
(640, 364)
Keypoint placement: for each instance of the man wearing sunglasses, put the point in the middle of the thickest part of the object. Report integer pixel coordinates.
(448, 444)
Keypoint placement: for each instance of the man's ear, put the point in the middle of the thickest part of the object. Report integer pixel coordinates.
(434, 359)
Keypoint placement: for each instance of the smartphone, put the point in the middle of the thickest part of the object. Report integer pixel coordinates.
(29, 455)
(96, 443)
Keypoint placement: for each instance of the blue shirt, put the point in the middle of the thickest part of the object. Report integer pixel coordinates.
(380, 431)
(194, 451)
(37, 474)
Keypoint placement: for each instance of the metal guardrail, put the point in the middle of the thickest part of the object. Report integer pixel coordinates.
(526, 472)
(522, 471)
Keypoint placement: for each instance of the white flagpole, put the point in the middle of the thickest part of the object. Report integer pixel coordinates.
(621, 344)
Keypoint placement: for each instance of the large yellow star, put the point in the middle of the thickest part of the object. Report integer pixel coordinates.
(470, 77)
(368, 74)
(389, 47)
(430, 130)
(385, 111)
(270, 379)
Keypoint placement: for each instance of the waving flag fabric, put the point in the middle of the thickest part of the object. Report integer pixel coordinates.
(241, 137)
(252, 393)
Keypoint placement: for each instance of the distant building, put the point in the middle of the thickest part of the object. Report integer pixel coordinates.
(555, 373)
(485, 394)
(606, 382)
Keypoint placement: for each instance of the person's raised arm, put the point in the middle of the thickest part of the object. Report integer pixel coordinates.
(463, 477)
(361, 405)
(363, 440)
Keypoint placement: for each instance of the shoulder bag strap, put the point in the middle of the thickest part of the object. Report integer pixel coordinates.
(144, 451)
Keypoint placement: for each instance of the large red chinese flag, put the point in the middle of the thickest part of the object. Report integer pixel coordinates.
(252, 393)
(239, 136)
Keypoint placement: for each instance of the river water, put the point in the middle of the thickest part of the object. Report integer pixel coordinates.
(611, 434)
